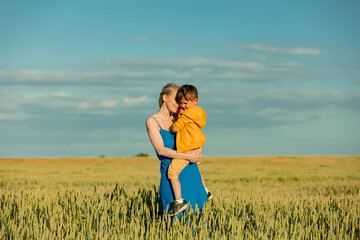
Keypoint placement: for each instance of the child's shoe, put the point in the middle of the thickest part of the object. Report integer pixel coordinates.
(177, 208)
(209, 196)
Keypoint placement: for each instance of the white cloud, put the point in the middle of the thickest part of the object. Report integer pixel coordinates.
(331, 43)
(279, 50)
(202, 70)
(271, 107)
(139, 71)
(117, 71)
(106, 113)
(12, 116)
(259, 58)
(83, 105)
(184, 63)
(142, 39)
(131, 101)
(290, 118)
(269, 111)
(108, 103)
(349, 52)
(288, 64)
(310, 93)
(34, 96)
(61, 94)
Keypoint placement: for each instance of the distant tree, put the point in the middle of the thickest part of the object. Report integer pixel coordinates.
(102, 156)
(142, 155)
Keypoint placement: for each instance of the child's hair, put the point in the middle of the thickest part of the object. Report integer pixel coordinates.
(167, 89)
(188, 92)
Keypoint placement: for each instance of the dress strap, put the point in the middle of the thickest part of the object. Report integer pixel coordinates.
(157, 122)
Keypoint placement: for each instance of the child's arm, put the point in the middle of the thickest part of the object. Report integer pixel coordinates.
(180, 123)
(171, 129)
(176, 114)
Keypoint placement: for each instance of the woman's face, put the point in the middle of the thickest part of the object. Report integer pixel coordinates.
(171, 104)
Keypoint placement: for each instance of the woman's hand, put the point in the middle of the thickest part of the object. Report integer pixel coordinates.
(194, 155)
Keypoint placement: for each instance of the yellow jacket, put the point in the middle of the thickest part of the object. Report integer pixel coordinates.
(188, 129)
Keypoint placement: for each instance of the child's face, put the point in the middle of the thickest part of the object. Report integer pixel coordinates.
(185, 104)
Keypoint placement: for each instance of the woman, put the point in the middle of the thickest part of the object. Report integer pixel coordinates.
(163, 141)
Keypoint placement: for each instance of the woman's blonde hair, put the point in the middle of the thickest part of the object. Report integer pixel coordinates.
(167, 89)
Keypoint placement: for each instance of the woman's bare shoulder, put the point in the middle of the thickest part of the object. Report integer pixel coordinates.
(151, 121)
(151, 118)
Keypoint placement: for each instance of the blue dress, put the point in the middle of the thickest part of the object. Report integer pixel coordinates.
(192, 189)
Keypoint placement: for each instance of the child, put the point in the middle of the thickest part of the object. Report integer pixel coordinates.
(189, 136)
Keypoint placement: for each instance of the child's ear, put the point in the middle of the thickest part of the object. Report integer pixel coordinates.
(164, 97)
(196, 100)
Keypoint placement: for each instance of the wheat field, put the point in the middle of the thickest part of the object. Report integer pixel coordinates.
(288, 197)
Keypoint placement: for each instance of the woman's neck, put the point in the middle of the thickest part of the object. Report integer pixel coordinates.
(164, 112)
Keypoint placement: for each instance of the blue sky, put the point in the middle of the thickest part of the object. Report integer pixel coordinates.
(79, 78)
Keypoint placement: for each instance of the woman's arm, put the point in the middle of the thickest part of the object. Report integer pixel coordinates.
(158, 144)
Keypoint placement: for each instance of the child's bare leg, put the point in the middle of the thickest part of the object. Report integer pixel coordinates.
(179, 204)
(175, 183)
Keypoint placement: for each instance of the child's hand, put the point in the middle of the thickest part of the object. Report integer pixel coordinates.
(176, 114)
(179, 110)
